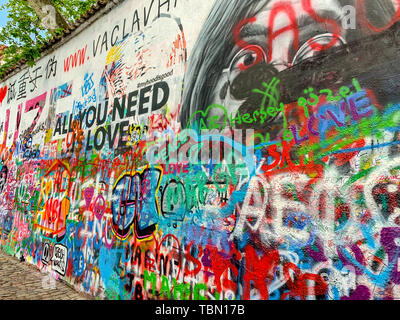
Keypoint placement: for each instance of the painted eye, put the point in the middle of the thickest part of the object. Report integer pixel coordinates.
(247, 57)
(317, 44)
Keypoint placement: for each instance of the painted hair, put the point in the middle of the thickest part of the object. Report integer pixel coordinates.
(210, 51)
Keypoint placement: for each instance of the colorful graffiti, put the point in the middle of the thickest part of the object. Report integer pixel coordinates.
(211, 151)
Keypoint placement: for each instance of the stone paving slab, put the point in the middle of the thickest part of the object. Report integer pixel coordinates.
(21, 281)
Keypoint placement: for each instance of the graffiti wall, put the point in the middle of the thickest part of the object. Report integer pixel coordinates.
(227, 149)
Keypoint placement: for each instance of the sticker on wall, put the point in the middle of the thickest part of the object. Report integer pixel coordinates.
(59, 259)
(46, 255)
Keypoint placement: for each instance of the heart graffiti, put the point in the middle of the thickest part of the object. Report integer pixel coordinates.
(3, 92)
(202, 120)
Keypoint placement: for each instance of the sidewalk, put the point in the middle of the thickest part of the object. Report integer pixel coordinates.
(20, 281)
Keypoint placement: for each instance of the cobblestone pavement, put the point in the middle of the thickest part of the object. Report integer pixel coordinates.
(21, 281)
